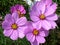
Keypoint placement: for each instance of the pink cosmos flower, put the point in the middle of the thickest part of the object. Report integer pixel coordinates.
(35, 34)
(19, 9)
(13, 26)
(43, 15)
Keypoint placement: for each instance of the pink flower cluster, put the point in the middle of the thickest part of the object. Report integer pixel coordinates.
(43, 18)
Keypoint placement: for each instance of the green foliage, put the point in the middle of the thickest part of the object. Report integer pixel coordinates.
(52, 39)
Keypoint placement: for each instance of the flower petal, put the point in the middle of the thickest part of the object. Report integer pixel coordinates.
(53, 24)
(9, 18)
(48, 2)
(36, 25)
(6, 25)
(21, 8)
(23, 12)
(40, 39)
(21, 21)
(52, 17)
(51, 9)
(15, 15)
(29, 27)
(46, 33)
(35, 12)
(46, 25)
(21, 35)
(34, 18)
(7, 32)
(34, 43)
(12, 9)
(41, 7)
(30, 37)
(14, 35)
(42, 33)
(21, 31)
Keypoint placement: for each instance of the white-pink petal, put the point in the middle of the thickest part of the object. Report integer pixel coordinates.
(15, 16)
(21, 21)
(42, 33)
(21, 31)
(34, 18)
(30, 37)
(37, 25)
(51, 9)
(52, 17)
(53, 24)
(46, 24)
(42, 7)
(14, 35)
(40, 39)
(7, 32)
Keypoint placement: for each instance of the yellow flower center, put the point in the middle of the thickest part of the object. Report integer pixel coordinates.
(14, 26)
(42, 16)
(35, 32)
(20, 15)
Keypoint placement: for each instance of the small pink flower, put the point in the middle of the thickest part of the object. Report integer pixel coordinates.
(35, 34)
(43, 15)
(13, 26)
(19, 9)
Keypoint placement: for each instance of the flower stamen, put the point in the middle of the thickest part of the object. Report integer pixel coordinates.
(35, 32)
(14, 26)
(42, 17)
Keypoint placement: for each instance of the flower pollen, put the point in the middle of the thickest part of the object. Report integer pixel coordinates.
(42, 17)
(35, 32)
(14, 26)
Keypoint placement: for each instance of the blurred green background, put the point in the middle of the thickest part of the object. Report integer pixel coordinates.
(52, 39)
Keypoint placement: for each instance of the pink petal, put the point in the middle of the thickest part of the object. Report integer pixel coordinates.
(29, 27)
(34, 43)
(48, 2)
(51, 9)
(14, 35)
(46, 25)
(36, 25)
(9, 18)
(7, 32)
(30, 37)
(6, 25)
(21, 35)
(12, 9)
(35, 12)
(40, 39)
(52, 17)
(23, 12)
(46, 33)
(21, 31)
(34, 18)
(42, 7)
(21, 8)
(17, 6)
(21, 21)
(53, 24)
(15, 15)
(42, 33)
